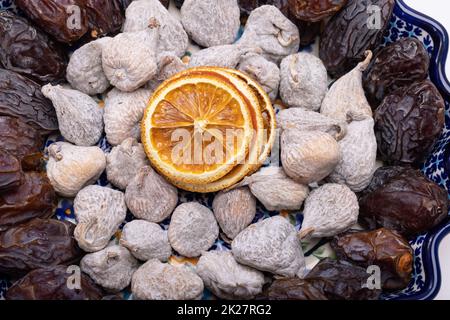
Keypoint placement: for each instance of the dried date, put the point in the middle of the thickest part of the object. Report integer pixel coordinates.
(384, 248)
(105, 17)
(50, 283)
(408, 123)
(398, 65)
(296, 289)
(10, 171)
(350, 33)
(315, 10)
(28, 51)
(65, 20)
(22, 98)
(247, 6)
(37, 244)
(34, 198)
(411, 203)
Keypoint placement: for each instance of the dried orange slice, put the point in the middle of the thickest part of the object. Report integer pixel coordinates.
(262, 142)
(196, 128)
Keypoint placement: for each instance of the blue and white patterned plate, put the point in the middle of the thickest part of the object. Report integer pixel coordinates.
(426, 280)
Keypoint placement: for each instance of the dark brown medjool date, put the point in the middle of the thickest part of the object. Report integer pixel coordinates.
(34, 198)
(309, 31)
(10, 171)
(398, 65)
(21, 140)
(384, 248)
(296, 289)
(28, 51)
(247, 6)
(51, 283)
(407, 202)
(353, 31)
(65, 20)
(315, 10)
(22, 98)
(409, 122)
(36, 244)
(105, 17)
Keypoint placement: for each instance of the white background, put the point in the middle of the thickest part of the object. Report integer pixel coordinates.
(440, 11)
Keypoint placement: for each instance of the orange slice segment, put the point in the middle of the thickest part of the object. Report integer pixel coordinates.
(196, 128)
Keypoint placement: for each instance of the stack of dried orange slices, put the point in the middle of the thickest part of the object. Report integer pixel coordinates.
(207, 128)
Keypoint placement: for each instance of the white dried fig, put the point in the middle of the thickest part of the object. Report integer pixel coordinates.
(234, 210)
(80, 118)
(267, 28)
(359, 161)
(172, 37)
(155, 280)
(146, 240)
(211, 22)
(275, 190)
(306, 120)
(308, 156)
(70, 168)
(226, 56)
(329, 211)
(193, 229)
(168, 65)
(346, 99)
(124, 162)
(85, 70)
(270, 245)
(265, 72)
(226, 278)
(129, 59)
(111, 268)
(99, 212)
(304, 81)
(150, 197)
(123, 114)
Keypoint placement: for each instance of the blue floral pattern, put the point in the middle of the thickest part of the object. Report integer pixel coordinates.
(437, 167)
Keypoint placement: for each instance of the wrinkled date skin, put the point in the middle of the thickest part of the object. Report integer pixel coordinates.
(403, 200)
(315, 10)
(28, 51)
(50, 283)
(398, 65)
(296, 289)
(10, 171)
(34, 198)
(105, 17)
(384, 248)
(342, 280)
(309, 31)
(349, 34)
(37, 244)
(65, 20)
(409, 122)
(22, 141)
(22, 98)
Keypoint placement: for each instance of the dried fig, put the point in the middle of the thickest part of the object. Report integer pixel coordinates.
(129, 59)
(123, 114)
(234, 210)
(309, 156)
(193, 229)
(172, 37)
(146, 240)
(99, 212)
(346, 99)
(34, 198)
(168, 65)
(85, 71)
(150, 197)
(155, 280)
(329, 210)
(228, 279)
(359, 156)
(304, 81)
(270, 245)
(124, 162)
(80, 117)
(111, 268)
(227, 56)
(70, 168)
